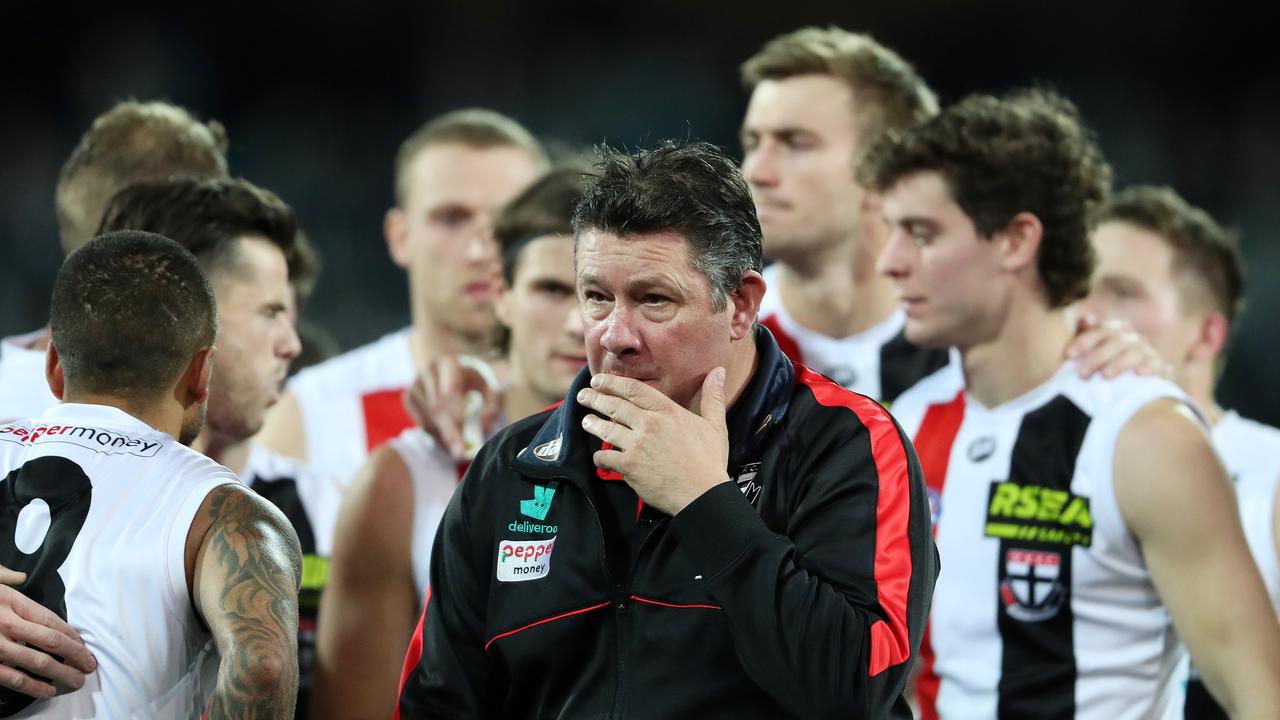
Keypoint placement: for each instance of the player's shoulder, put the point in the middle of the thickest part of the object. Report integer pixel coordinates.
(370, 363)
(938, 387)
(1118, 398)
(187, 464)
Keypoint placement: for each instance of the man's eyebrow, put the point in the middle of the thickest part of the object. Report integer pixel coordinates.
(635, 283)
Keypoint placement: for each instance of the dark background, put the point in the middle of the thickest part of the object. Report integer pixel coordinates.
(316, 97)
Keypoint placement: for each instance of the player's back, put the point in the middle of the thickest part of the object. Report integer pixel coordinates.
(95, 507)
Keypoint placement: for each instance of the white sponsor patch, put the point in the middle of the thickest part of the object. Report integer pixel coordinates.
(104, 441)
(520, 560)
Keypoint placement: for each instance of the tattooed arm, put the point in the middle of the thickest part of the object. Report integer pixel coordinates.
(244, 566)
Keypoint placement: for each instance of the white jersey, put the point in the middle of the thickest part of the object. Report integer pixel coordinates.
(435, 475)
(352, 403)
(877, 362)
(24, 392)
(1044, 606)
(95, 507)
(1251, 452)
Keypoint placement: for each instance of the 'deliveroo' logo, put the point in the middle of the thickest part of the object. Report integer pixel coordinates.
(540, 503)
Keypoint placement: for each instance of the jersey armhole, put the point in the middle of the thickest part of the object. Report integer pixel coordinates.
(176, 533)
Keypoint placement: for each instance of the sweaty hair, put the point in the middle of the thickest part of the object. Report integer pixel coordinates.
(206, 216)
(473, 128)
(1202, 249)
(1026, 152)
(888, 93)
(544, 208)
(132, 141)
(129, 311)
(692, 189)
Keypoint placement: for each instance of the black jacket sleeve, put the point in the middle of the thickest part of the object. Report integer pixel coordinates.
(447, 671)
(827, 612)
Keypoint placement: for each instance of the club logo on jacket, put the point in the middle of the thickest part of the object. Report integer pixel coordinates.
(520, 560)
(746, 481)
(1032, 589)
(548, 451)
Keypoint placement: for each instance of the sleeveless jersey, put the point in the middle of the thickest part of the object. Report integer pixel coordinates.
(435, 475)
(1044, 607)
(24, 393)
(310, 500)
(1251, 453)
(877, 362)
(95, 507)
(352, 403)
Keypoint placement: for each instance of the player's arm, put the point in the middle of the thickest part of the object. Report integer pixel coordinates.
(244, 583)
(40, 655)
(370, 605)
(1177, 500)
(285, 430)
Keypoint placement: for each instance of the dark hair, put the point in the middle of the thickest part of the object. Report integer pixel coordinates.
(472, 127)
(544, 208)
(693, 189)
(205, 215)
(1202, 248)
(1026, 152)
(132, 141)
(129, 310)
(888, 93)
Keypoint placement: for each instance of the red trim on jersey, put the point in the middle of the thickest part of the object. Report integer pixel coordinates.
(544, 621)
(414, 656)
(637, 598)
(384, 416)
(786, 343)
(890, 641)
(933, 443)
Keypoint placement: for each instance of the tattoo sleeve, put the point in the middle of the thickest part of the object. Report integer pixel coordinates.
(250, 567)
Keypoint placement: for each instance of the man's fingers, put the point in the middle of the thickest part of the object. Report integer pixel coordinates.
(46, 631)
(11, 577)
(642, 395)
(15, 679)
(712, 402)
(36, 664)
(611, 406)
(608, 431)
(609, 460)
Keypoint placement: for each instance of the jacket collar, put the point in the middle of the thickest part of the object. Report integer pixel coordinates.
(562, 449)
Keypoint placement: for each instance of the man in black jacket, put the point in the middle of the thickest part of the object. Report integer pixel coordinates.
(702, 528)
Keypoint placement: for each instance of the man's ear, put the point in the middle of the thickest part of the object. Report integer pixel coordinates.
(395, 226)
(53, 371)
(1211, 337)
(1020, 242)
(745, 303)
(193, 386)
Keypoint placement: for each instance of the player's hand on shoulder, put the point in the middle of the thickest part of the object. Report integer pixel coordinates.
(455, 400)
(1112, 348)
(32, 638)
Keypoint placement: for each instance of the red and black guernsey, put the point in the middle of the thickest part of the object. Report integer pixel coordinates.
(799, 590)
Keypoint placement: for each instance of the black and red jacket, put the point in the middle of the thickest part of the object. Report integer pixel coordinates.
(799, 590)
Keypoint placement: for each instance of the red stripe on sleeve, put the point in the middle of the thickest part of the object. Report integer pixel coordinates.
(384, 416)
(890, 642)
(414, 656)
(933, 443)
(786, 343)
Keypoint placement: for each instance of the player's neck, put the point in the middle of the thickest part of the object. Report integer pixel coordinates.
(522, 400)
(1024, 350)
(163, 416)
(1197, 380)
(430, 339)
(233, 454)
(834, 291)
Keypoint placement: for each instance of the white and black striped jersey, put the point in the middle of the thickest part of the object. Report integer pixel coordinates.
(95, 507)
(24, 393)
(877, 362)
(1044, 607)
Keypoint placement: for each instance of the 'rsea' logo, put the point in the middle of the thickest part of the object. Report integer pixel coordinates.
(520, 560)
